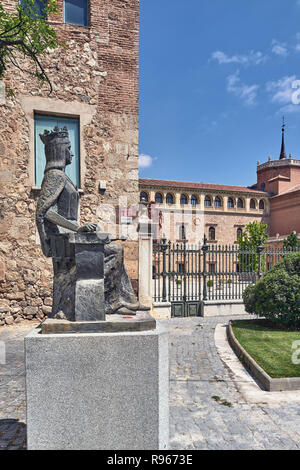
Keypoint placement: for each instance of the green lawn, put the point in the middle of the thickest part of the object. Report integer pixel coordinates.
(269, 345)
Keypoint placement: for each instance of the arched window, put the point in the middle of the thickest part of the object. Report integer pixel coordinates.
(144, 197)
(169, 199)
(240, 203)
(261, 204)
(212, 233)
(218, 201)
(182, 235)
(207, 201)
(230, 202)
(183, 199)
(158, 198)
(194, 200)
(239, 233)
(252, 204)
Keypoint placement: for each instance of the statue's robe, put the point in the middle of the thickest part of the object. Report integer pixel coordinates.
(59, 194)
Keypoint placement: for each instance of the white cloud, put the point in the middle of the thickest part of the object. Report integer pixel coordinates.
(281, 90)
(145, 161)
(252, 58)
(247, 93)
(279, 48)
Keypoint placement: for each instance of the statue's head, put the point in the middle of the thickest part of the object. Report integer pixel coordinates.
(57, 148)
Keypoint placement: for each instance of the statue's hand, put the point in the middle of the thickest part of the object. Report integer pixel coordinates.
(88, 228)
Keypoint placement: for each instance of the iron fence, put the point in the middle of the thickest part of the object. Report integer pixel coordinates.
(184, 272)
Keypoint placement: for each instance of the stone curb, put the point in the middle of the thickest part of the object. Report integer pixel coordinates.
(268, 383)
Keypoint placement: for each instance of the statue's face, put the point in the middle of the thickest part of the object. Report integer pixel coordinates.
(69, 154)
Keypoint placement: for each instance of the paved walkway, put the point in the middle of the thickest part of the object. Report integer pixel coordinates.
(206, 410)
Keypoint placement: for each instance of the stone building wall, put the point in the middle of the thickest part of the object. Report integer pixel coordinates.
(95, 79)
(199, 218)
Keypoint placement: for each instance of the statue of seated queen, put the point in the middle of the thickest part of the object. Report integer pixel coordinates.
(90, 279)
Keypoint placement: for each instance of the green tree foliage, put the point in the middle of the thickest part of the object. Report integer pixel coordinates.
(291, 242)
(25, 33)
(277, 295)
(249, 242)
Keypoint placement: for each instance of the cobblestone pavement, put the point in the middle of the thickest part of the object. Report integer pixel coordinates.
(12, 387)
(197, 374)
(226, 422)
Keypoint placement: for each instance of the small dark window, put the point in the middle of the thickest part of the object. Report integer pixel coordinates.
(158, 198)
(240, 203)
(182, 235)
(239, 233)
(207, 201)
(218, 202)
(263, 186)
(181, 268)
(212, 233)
(212, 268)
(76, 12)
(194, 200)
(144, 197)
(230, 202)
(261, 205)
(169, 199)
(183, 199)
(252, 204)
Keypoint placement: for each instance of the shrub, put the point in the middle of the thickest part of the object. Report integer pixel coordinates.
(277, 295)
(210, 283)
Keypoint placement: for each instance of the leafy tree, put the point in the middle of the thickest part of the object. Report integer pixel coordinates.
(250, 242)
(277, 295)
(25, 33)
(291, 242)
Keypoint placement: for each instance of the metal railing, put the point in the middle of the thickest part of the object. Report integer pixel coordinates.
(186, 272)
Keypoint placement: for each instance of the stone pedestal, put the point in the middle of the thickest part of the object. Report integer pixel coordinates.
(78, 285)
(98, 390)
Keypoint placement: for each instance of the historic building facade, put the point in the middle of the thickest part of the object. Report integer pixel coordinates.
(185, 210)
(191, 210)
(95, 94)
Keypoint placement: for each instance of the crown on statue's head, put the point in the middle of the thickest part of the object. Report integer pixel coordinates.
(57, 133)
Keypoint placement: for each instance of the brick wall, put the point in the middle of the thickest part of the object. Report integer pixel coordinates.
(96, 79)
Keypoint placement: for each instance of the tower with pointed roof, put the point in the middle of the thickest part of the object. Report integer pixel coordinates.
(282, 152)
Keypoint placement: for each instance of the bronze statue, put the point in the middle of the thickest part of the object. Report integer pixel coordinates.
(57, 218)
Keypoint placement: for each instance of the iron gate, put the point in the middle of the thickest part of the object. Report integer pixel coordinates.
(186, 274)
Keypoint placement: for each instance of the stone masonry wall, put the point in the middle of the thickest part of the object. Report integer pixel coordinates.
(98, 74)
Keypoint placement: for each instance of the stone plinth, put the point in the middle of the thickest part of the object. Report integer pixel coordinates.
(78, 286)
(97, 390)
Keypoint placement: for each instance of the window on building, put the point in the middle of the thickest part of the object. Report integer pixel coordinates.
(194, 200)
(41, 123)
(169, 199)
(181, 268)
(261, 205)
(211, 233)
(230, 202)
(40, 7)
(76, 12)
(252, 204)
(263, 186)
(218, 201)
(153, 272)
(158, 198)
(212, 268)
(144, 197)
(239, 233)
(182, 234)
(207, 201)
(183, 199)
(240, 203)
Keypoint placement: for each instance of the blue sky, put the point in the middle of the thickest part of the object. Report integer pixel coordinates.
(215, 79)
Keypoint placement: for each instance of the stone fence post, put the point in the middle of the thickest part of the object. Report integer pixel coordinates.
(145, 269)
